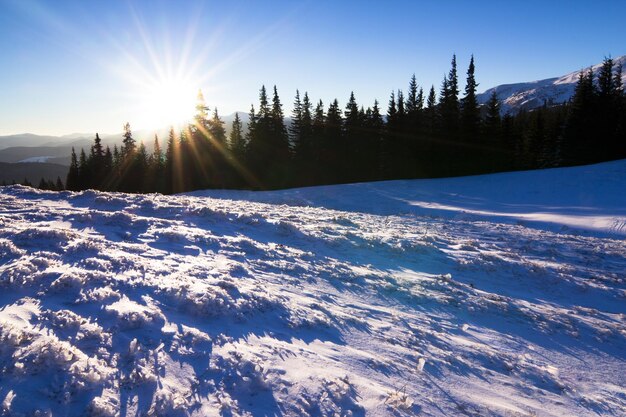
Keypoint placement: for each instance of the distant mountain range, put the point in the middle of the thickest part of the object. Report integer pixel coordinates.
(32, 171)
(533, 94)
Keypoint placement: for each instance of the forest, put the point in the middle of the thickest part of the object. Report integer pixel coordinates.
(421, 134)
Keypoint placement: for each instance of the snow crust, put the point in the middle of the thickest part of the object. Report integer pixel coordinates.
(498, 295)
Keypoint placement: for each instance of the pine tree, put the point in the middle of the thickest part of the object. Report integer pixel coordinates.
(84, 174)
(307, 123)
(280, 146)
(350, 152)
(128, 144)
(97, 162)
(59, 185)
(73, 179)
(201, 118)
(371, 169)
(296, 122)
(332, 144)
(301, 137)
(172, 166)
(431, 112)
(236, 141)
(318, 127)
(278, 124)
(140, 169)
(470, 114)
(216, 128)
(492, 118)
(412, 100)
(449, 103)
(581, 121)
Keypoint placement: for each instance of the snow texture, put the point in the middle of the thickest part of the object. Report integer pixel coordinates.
(530, 95)
(498, 295)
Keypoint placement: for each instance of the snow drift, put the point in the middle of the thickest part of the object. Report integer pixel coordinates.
(489, 295)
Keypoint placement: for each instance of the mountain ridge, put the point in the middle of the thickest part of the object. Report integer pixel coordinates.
(532, 94)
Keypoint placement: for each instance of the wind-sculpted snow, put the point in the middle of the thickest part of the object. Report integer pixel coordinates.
(125, 305)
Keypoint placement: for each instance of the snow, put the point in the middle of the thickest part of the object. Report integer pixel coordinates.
(497, 295)
(39, 159)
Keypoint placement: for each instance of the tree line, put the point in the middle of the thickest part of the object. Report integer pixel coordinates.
(422, 134)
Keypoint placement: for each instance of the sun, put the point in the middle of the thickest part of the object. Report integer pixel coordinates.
(166, 102)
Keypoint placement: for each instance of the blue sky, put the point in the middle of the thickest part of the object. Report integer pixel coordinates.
(87, 66)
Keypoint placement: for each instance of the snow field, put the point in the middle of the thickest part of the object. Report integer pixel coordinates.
(346, 300)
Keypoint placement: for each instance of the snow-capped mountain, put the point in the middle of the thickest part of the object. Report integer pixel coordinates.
(533, 94)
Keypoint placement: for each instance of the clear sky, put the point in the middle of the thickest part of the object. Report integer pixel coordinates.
(87, 66)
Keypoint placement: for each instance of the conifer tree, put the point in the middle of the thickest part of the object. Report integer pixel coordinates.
(307, 123)
(59, 185)
(411, 100)
(216, 128)
(237, 142)
(470, 114)
(172, 164)
(332, 144)
(449, 102)
(140, 169)
(492, 117)
(72, 180)
(350, 152)
(296, 121)
(128, 144)
(318, 126)
(97, 163)
(84, 174)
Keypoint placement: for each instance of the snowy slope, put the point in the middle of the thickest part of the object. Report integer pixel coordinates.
(530, 95)
(500, 295)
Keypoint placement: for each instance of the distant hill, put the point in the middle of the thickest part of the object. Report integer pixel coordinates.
(57, 149)
(530, 95)
(32, 171)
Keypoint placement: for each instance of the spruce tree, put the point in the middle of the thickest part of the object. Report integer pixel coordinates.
(390, 144)
(72, 180)
(411, 100)
(97, 163)
(470, 113)
(216, 128)
(318, 126)
(331, 146)
(84, 174)
(492, 118)
(236, 140)
(128, 144)
(350, 151)
(280, 147)
(449, 103)
(172, 164)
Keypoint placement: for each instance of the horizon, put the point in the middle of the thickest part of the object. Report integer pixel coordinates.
(92, 67)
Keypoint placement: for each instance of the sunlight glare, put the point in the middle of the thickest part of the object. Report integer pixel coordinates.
(167, 101)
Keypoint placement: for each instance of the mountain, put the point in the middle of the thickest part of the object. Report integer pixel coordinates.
(57, 149)
(533, 94)
(495, 295)
(32, 171)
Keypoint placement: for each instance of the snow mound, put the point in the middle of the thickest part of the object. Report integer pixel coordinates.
(493, 295)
